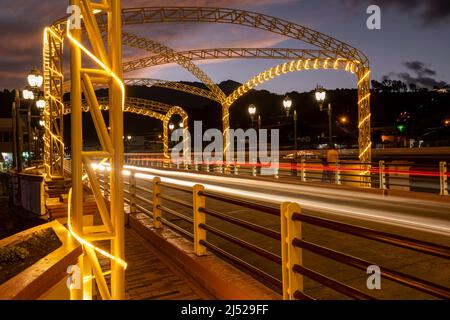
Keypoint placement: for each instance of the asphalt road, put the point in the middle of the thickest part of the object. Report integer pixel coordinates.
(413, 217)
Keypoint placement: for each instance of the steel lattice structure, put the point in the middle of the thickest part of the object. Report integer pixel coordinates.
(153, 46)
(230, 53)
(53, 47)
(107, 59)
(171, 85)
(271, 24)
(148, 108)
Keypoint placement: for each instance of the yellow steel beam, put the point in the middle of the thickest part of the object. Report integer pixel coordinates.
(230, 53)
(171, 85)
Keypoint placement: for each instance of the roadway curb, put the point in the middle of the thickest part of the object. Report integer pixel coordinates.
(222, 280)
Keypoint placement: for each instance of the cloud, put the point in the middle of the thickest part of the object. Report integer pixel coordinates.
(422, 75)
(419, 68)
(22, 23)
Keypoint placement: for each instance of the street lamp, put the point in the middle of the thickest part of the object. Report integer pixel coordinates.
(320, 95)
(35, 78)
(40, 103)
(128, 138)
(287, 104)
(41, 123)
(343, 119)
(181, 125)
(28, 94)
(252, 112)
(171, 126)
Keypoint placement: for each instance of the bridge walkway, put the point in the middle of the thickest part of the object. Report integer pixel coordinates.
(151, 276)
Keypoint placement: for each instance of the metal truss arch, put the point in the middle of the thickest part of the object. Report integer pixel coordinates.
(239, 17)
(230, 53)
(153, 46)
(178, 86)
(363, 85)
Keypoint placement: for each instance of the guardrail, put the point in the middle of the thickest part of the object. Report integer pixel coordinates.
(193, 225)
(393, 175)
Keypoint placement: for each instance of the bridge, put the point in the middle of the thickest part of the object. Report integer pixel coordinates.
(148, 226)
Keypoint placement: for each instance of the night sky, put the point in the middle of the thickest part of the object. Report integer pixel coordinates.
(413, 44)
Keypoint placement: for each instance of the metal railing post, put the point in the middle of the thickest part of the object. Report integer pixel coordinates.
(382, 174)
(303, 171)
(198, 201)
(338, 173)
(290, 229)
(132, 189)
(157, 224)
(443, 178)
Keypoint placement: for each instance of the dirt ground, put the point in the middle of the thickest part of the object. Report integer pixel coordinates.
(13, 220)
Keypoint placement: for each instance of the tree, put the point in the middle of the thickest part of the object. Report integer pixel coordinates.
(377, 86)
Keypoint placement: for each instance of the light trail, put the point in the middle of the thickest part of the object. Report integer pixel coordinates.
(240, 187)
(311, 167)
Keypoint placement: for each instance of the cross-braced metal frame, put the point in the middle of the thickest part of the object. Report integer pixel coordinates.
(108, 70)
(152, 109)
(53, 47)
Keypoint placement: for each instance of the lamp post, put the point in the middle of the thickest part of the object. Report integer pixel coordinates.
(35, 81)
(252, 112)
(287, 104)
(320, 95)
(29, 95)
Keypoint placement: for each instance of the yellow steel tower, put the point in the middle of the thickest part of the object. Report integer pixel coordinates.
(107, 60)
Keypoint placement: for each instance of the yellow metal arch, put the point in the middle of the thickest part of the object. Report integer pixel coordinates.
(239, 17)
(152, 109)
(171, 85)
(355, 67)
(230, 53)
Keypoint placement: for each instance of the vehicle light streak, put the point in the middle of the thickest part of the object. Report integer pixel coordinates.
(309, 167)
(241, 186)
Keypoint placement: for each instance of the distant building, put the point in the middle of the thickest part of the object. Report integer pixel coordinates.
(6, 135)
(7, 139)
